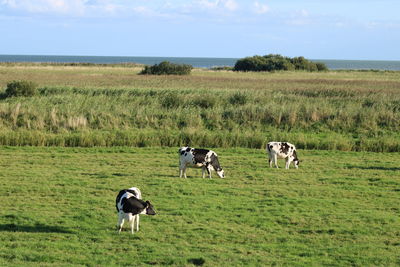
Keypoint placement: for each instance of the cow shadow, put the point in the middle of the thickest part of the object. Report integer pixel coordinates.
(165, 175)
(374, 168)
(37, 228)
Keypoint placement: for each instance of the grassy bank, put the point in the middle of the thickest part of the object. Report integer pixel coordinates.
(107, 106)
(338, 209)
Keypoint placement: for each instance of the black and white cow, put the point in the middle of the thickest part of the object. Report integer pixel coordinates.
(199, 158)
(129, 205)
(282, 150)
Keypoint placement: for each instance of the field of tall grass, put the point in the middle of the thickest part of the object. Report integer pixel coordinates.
(113, 106)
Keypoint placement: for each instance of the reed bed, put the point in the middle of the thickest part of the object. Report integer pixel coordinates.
(111, 106)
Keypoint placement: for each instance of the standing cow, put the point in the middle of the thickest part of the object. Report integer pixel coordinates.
(282, 150)
(129, 205)
(199, 158)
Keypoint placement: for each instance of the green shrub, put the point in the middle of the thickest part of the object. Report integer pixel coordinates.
(277, 62)
(321, 66)
(167, 68)
(256, 63)
(20, 88)
(300, 63)
(273, 62)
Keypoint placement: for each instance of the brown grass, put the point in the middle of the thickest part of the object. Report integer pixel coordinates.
(122, 77)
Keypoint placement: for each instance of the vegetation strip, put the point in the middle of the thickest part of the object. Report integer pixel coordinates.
(107, 106)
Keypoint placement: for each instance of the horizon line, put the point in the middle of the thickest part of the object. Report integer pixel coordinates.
(199, 57)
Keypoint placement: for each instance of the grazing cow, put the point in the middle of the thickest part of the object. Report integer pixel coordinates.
(129, 205)
(282, 150)
(200, 158)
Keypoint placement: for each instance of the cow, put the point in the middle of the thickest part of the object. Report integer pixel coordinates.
(282, 150)
(129, 205)
(199, 158)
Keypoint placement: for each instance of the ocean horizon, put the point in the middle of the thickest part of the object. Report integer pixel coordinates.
(197, 62)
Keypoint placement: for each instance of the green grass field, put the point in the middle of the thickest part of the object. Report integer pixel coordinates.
(338, 209)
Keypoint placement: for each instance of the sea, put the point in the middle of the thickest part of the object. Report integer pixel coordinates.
(197, 62)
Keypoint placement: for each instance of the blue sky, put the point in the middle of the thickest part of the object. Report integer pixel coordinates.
(316, 29)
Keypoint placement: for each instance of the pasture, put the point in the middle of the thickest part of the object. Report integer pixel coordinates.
(338, 209)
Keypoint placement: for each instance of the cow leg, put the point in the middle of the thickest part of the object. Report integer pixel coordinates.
(131, 221)
(120, 221)
(137, 222)
(275, 159)
(270, 162)
(204, 168)
(182, 171)
(203, 171)
(288, 161)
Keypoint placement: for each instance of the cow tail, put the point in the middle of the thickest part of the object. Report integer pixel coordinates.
(268, 148)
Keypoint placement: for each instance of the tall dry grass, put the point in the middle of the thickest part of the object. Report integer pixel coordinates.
(99, 106)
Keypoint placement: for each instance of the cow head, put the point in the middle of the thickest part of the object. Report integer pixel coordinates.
(150, 209)
(216, 166)
(296, 163)
(220, 173)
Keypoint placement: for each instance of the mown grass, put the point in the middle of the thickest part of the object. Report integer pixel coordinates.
(108, 106)
(338, 209)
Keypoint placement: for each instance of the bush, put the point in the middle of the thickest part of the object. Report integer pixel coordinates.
(273, 62)
(256, 63)
(300, 63)
(167, 68)
(321, 66)
(278, 62)
(20, 88)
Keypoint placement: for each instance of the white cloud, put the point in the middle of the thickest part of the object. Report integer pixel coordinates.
(304, 13)
(76, 7)
(207, 4)
(209, 9)
(300, 18)
(375, 25)
(230, 5)
(260, 8)
(73, 8)
(144, 11)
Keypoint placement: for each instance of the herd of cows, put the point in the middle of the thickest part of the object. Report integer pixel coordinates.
(129, 201)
